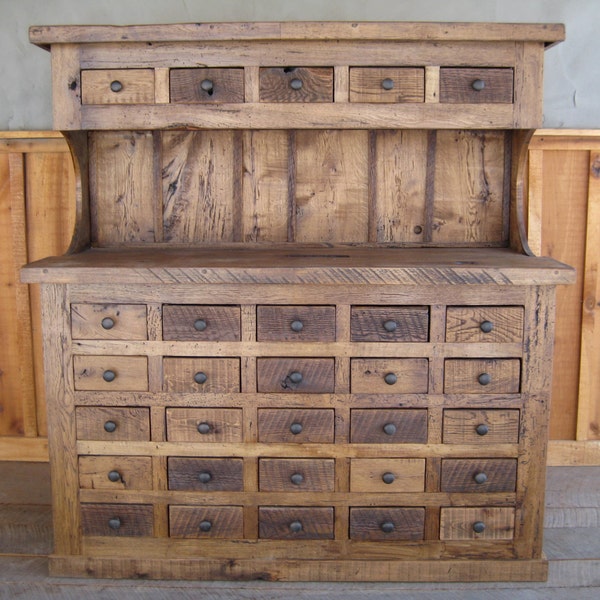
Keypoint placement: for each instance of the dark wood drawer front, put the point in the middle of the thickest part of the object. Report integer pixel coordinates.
(206, 522)
(482, 376)
(201, 375)
(115, 472)
(296, 84)
(296, 475)
(108, 322)
(121, 520)
(111, 373)
(295, 323)
(480, 523)
(296, 425)
(389, 324)
(117, 86)
(479, 475)
(195, 322)
(112, 424)
(386, 84)
(491, 324)
(207, 85)
(388, 426)
(383, 524)
(206, 474)
(295, 523)
(204, 425)
(389, 376)
(475, 86)
(494, 426)
(296, 375)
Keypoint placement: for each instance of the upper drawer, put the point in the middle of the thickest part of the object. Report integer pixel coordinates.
(296, 84)
(109, 423)
(108, 322)
(389, 426)
(387, 84)
(389, 375)
(117, 86)
(295, 323)
(198, 322)
(389, 324)
(201, 375)
(476, 86)
(296, 425)
(296, 375)
(495, 324)
(482, 376)
(111, 373)
(204, 425)
(207, 85)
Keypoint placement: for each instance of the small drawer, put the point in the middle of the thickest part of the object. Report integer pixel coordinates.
(295, 324)
(387, 84)
(296, 475)
(108, 423)
(494, 426)
(295, 375)
(207, 85)
(206, 474)
(295, 523)
(481, 475)
(203, 323)
(111, 373)
(296, 84)
(117, 86)
(296, 425)
(388, 426)
(482, 376)
(390, 523)
(491, 324)
(201, 375)
(108, 322)
(224, 522)
(476, 85)
(389, 324)
(204, 425)
(121, 520)
(480, 523)
(389, 375)
(387, 475)
(115, 472)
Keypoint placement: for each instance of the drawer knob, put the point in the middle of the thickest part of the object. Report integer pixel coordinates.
(200, 377)
(389, 429)
(200, 325)
(295, 377)
(295, 526)
(482, 429)
(387, 527)
(204, 477)
(485, 379)
(114, 476)
(390, 378)
(110, 426)
(207, 85)
(107, 323)
(479, 527)
(296, 428)
(480, 478)
(296, 84)
(486, 326)
(478, 85)
(387, 84)
(114, 523)
(390, 325)
(205, 526)
(116, 86)
(388, 478)
(204, 428)
(297, 478)
(109, 375)
(297, 326)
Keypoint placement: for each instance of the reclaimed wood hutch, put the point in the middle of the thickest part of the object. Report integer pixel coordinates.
(299, 334)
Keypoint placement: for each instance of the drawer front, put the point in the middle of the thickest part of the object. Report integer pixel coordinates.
(197, 322)
(108, 322)
(295, 323)
(491, 324)
(201, 375)
(482, 376)
(206, 474)
(389, 376)
(207, 85)
(121, 520)
(117, 86)
(479, 475)
(108, 423)
(387, 475)
(475, 86)
(115, 472)
(296, 375)
(295, 523)
(387, 84)
(111, 373)
(296, 84)
(296, 475)
(495, 426)
(389, 324)
(204, 425)
(478, 523)
(390, 523)
(296, 425)
(388, 426)
(206, 522)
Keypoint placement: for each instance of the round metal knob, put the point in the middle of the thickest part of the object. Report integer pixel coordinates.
(390, 378)
(200, 325)
(479, 527)
(418, 229)
(205, 526)
(204, 428)
(478, 85)
(295, 377)
(387, 84)
(480, 478)
(297, 326)
(387, 527)
(109, 375)
(114, 523)
(388, 478)
(110, 426)
(204, 477)
(114, 476)
(207, 85)
(296, 84)
(200, 377)
(107, 323)
(295, 526)
(390, 325)
(484, 379)
(116, 86)
(482, 429)
(297, 478)
(389, 429)
(296, 428)
(486, 326)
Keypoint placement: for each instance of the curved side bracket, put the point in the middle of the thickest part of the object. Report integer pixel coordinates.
(518, 230)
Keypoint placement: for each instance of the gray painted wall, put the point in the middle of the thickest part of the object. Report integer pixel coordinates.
(572, 73)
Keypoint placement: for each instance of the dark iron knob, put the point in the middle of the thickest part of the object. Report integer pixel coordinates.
(204, 428)
(296, 428)
(479, 527)
(485, 379)
(200, 377)
(387, 527)
(207, 85)
(390, 325)
(296, 84)
(297, 326)
(114, 476)
(387, 84)
(389, 429)
(486, 326)
(297, 478)
(390, 378)
(110, 426)
(480, 478)
(204, 477)
(205, 526)
(478, 85)
(107, 323)
(295, 377)
(109, 375)
(116, 86)
(295, 526)
(200, 325)
(482, 429)
(388, 478)
(114, 523)
(418, 229)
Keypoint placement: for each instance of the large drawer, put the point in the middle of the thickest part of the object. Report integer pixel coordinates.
(482, 376)
(206, 522)
(108, 322)
(296, 375)
(295, 523)
(204, 425)
(296, 474)
(201, 375)
(389, 375)
(296, 425)
(110, 373)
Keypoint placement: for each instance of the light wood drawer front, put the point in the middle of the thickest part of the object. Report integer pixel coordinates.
(206, 474)
(389, 324)
(295, 323)
(387, 475)
(206, 522)
(295, 523)
(480, 523)
(204, 425)
(296, 475)
(108, 423)
(491, 324)
(296, 84)
(201, 375)
(207, 85)
(111, 373)
(482, 376)
(479, 475)
(389, 375)
(127, 520)
(494, 426)
(387, 84)
(115, 472)
(109, 322)
(476, 85)
(296, 425)
(388, 426)
(390, 523)
(296, 375)
(197, 322)
(117, 86)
